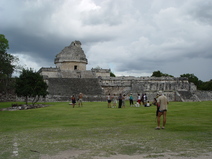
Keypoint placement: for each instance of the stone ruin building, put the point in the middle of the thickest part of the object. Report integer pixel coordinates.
(71, 77)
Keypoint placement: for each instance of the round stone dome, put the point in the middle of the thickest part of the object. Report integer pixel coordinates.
(71, 58)
(72, 53)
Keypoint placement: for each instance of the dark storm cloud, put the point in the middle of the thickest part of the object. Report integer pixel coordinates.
(201, 11)
(132, 38)
(34, 46)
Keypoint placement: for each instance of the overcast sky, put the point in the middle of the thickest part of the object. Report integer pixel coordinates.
(131, 37)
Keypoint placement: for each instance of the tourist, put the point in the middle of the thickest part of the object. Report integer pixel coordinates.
(109, 101)
(73, 99)
(156, 104)
(163, 105)
(147, 104)
(145, 98)
(114, 100)
(123, 101)
(120, 100)
(131, 100)
(139, 99)
(80, 100)
(142, 99)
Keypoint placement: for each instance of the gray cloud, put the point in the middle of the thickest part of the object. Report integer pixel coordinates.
(132, 38)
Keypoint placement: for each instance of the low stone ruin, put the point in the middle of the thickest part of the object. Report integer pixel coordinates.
(23, 107)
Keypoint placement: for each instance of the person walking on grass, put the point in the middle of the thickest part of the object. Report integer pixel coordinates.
(120, 100)
(109, 100)
(80, 100)
(73, 99)
(163, 106)
(139, 99)
(131, 100)
(123, 101)
(114, 101)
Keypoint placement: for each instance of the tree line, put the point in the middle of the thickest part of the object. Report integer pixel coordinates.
(31, 84)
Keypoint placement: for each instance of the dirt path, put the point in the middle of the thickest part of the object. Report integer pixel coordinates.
(74, 154)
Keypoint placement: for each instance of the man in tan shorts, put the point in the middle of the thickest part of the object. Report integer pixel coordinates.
(163, 105)
(80, 100)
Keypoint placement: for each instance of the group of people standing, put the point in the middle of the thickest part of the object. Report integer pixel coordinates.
(120, 99)
(113, 100)
(142, 99)
(161, 103)
(79, 100)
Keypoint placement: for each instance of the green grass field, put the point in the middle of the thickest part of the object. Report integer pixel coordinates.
(105, 131)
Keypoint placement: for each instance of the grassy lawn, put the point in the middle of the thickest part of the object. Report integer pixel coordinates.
(103, 131)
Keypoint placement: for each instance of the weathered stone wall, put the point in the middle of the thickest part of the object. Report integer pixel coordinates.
(58, 73)
(145, 84)
(49, 72)
(101, 72)
(176, 89)
(61, 89)
(72, 66)
(87, 74)
(96, 89)
(186, 96)
(204, 95)
(75, 74)
(7, 98)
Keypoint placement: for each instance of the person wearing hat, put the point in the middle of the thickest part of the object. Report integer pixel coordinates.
(163, 105)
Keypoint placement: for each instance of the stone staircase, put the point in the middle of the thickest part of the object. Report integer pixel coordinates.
(63, 88)
(187, 96)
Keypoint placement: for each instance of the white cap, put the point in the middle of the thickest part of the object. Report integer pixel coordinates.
(160, 92)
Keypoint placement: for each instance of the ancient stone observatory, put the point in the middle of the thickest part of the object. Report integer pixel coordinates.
(71, 58)
(71, 63)
(71, 77)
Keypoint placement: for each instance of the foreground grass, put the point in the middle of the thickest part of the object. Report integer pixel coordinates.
(104, 132)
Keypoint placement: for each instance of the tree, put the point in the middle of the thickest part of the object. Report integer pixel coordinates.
(192, 78)
(157, 74)
(31, 84)
(6, 65)
(200, 84)
(4, 45)
(160, 74)
(112, 74)
(207, 85)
